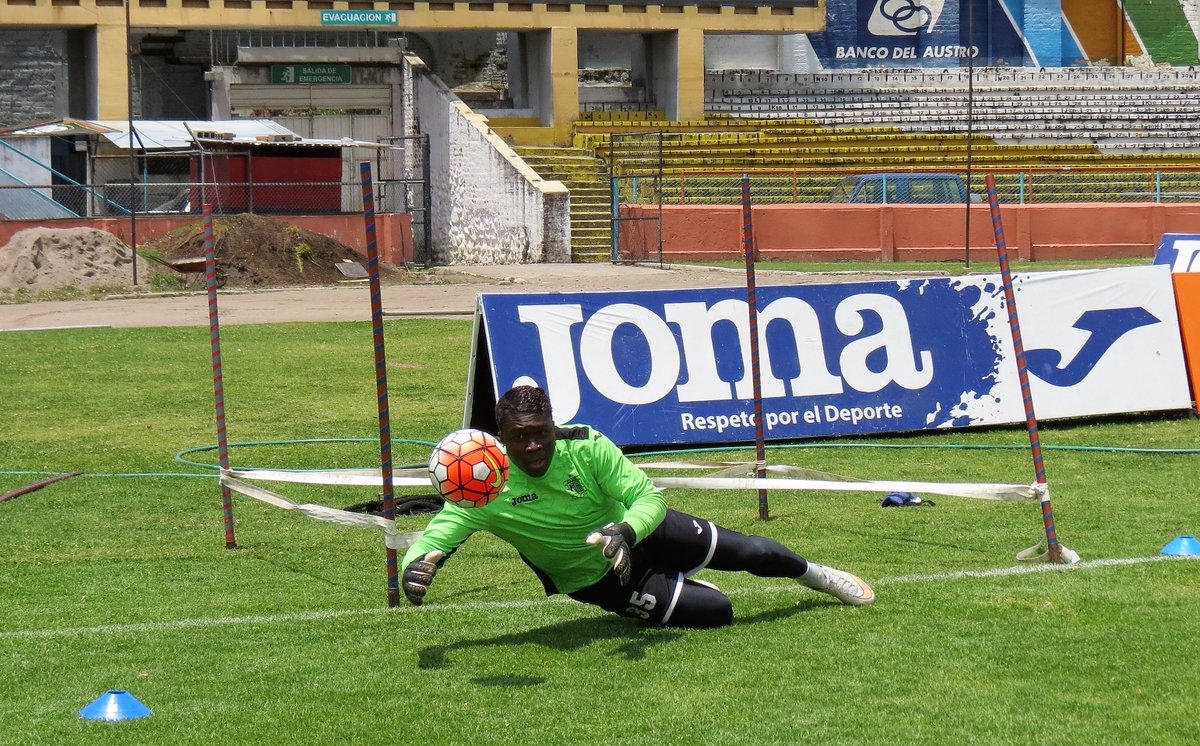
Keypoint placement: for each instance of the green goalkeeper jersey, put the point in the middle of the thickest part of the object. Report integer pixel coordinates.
(589, 484)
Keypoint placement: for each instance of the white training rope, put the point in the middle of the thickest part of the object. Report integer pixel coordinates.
(734, 475)
(827, 482)
(391, 539)
(1011, 492)
(347, 478)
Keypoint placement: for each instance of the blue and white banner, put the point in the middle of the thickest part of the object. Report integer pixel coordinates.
(1179, 251)
(921, 33)
(673, 366)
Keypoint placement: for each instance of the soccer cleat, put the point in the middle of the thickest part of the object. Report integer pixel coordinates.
(844, 586)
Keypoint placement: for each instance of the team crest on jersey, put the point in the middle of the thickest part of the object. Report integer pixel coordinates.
(574, 485)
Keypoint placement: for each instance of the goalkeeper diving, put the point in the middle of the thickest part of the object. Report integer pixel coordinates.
(591, 525)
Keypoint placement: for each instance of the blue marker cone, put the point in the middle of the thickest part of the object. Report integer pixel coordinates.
(114, 705)
(1183, 546)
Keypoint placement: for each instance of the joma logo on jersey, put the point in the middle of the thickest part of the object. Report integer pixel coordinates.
(904, 17)
(680, 341)
(528, 497)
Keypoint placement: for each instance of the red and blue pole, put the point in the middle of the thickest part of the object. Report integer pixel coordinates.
(214, 333)
(381, 387)
(1054, 550)
(760, 448)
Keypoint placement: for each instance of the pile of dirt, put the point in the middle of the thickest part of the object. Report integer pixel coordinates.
(255, 251)
(251, 252)
(42, 259)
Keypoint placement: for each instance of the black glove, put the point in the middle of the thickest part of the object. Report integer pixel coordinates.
(418, 576)
(614, 541)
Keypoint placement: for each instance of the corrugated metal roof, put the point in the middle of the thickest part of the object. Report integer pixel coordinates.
(185, 134)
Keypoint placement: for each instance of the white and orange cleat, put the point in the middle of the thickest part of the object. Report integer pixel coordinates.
(844, 586)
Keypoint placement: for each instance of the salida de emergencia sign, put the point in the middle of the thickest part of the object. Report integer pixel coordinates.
(309, 74)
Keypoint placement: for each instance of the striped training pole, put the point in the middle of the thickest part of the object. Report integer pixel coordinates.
(214, 333)
(1054, 551)
(381, 387)
(760, 449)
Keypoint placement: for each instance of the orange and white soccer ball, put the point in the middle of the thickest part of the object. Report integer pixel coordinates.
(468, 467)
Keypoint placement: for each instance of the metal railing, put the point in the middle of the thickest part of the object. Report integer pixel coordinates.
(119, 198)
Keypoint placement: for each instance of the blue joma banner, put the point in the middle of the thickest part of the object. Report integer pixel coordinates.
(1179, 251)
(673, 366)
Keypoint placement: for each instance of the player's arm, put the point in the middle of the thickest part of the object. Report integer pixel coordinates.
(445, 533)
(619, 477)
(644, 505)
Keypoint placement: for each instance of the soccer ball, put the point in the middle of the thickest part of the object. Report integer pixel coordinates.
(468, 467)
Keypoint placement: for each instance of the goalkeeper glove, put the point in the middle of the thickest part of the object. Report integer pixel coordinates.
(614, 541)
(418, 576)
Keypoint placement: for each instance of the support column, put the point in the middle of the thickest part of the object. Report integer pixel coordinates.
(564, 82)
(112, 72)
(676, 80)
(689, 71)
(518, 73)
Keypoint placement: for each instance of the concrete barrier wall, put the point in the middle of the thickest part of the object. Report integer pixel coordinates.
(489, 207)
(834, 232)
(393, 231)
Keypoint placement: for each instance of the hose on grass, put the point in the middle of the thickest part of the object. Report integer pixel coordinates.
(210, 469)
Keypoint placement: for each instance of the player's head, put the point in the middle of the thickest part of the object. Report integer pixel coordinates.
(526, 427)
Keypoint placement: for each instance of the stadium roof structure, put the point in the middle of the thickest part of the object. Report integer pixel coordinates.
(183, 134)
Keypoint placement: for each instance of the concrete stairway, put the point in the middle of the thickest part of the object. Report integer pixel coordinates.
(587, 178)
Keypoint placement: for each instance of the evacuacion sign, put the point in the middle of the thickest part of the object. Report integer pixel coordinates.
(359, 18)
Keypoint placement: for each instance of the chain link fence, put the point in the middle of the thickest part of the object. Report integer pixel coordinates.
(636, 238)
(1013, 186)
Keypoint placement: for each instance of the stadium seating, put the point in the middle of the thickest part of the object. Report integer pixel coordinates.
(1122, 109)
(587, 178)
(1113, 134)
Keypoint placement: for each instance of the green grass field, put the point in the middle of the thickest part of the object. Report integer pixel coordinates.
(119, 579)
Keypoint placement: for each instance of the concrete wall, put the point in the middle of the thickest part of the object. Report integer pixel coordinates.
(742, 52)
(489, 207)
(34, 83)
(887, 233)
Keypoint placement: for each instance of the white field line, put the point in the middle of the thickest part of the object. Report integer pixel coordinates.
(311, 616)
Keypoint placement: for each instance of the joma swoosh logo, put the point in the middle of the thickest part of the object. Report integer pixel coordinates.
(1105, 326)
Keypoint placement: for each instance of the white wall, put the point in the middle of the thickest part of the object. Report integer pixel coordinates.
(28, 171)
(607, 50)
(489, 207)
(740, 51)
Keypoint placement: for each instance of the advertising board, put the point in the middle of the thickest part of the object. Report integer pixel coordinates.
(912, 33)
(672, 367)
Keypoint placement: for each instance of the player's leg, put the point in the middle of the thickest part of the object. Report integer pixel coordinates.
(691, 544)
(665, 598)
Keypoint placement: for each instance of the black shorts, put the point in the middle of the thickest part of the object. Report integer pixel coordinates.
(660, 591)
